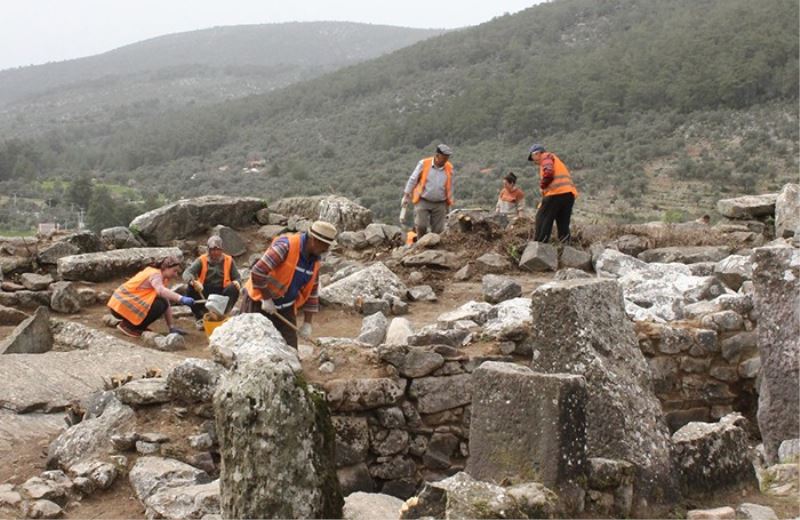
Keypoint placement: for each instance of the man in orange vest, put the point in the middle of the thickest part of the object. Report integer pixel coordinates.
(430, 188)
(212, 273)
(558, 195)
(286, 279)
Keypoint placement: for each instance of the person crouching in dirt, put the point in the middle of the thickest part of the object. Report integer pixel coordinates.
(286, 279)
(212, 273)
(511, 201)
(145, 297)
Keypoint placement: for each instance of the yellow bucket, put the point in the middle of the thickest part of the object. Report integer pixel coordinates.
(210, 325)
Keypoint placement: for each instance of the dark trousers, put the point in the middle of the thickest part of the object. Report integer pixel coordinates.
(198, 309)
(558, 209)
(288, 333)
(159, 307)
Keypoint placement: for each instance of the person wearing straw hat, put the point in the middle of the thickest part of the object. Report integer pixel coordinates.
(286, 279)
(212, 273)
(145, 297)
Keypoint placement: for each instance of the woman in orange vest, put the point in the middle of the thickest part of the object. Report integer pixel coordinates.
(511, 201)
(558, 195)
(430, 188)
(286, 279)
(145, 297)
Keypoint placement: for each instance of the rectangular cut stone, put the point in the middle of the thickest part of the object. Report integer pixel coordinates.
(99, 267)
(581, 328)
(436, 394)
(776, 280)
(527, 426)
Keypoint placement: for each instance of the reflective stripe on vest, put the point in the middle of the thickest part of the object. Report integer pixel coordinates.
(226, 269)
(280, 278)
(131, 301)
(562, 181)
(423, 178)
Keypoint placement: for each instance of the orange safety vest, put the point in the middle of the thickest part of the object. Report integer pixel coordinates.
(226, 269)
(562, 182)
(423, 178)
(131, 301)
(411, 237)
(279, 280)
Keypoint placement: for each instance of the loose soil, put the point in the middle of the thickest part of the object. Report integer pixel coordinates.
(119, 501)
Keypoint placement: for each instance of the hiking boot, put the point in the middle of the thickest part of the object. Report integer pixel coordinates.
(128, 330)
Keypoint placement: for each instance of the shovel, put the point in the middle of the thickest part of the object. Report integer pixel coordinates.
(295, 328)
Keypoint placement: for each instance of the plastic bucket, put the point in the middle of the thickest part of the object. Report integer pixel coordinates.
(210, 325)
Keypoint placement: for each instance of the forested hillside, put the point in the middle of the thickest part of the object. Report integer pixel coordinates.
(659, 107)
(190, 68)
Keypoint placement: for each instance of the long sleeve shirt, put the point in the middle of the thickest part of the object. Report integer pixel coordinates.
(274, 256)
(214, 276)
(434, 189)
(156, 281)
(548, 170)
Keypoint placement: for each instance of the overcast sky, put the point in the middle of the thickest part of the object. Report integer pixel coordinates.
(38, 31)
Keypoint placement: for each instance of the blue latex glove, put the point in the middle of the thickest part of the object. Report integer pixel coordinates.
(177, 330)
(185, 300)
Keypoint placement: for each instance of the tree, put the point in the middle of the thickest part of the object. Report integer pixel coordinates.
(101, 213)
(80, 191)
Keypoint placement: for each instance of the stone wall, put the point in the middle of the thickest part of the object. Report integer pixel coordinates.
(393, 433)
(702, 374)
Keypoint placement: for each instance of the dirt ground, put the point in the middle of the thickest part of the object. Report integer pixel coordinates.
(120, 502)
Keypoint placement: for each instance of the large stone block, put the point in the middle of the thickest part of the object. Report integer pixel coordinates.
(436, 394)
(32, 336)
(710, 456)
(232, 243)
(461, 496)
(685, 254)
(734, 270)
(349, 395)
(277, 445)
(582, 329)
(372, 282)
(187, 217)
(252, 337)
(539, 256)
(343, 213)
(527, 426)
(748, 207)
(433, 258)
(99, 267)
(497, 288)
(787, 211)
(91, 437)
(573, 258)
(776, 278)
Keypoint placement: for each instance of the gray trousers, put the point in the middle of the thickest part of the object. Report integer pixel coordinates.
(429, 216)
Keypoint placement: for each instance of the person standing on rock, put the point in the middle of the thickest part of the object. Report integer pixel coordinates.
(430, 188)
(212, 273)
(286, 279)
(558, 195)
(511, 201)
(145, 297)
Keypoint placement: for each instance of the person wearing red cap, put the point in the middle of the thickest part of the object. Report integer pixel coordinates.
(558, 195)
